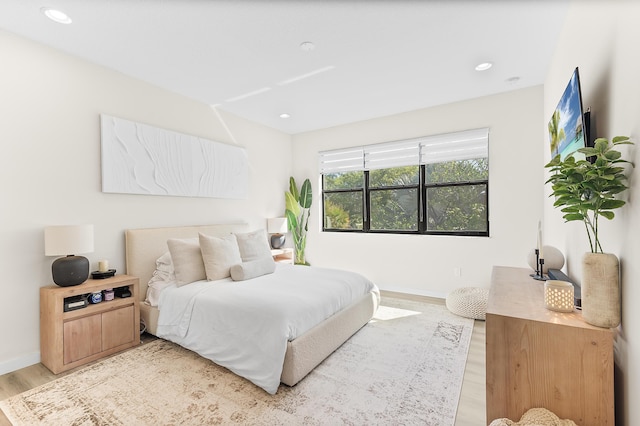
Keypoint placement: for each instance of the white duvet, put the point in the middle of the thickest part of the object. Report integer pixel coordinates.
(245, 325)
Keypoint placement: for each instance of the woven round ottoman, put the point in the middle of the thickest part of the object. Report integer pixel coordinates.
(468, 302)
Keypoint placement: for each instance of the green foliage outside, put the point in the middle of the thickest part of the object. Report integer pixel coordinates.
(394, 198)
(457, 208)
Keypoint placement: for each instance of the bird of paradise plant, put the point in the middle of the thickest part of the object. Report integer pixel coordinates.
(297, 210)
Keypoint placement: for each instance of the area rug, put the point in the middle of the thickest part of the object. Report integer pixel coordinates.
(405, 367)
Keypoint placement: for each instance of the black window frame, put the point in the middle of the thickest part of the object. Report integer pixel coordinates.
(422, 201)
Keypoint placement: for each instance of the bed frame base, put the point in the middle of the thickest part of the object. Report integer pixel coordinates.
(307, 351)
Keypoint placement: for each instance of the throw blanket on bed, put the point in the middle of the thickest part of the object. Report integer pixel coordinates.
(245, 325)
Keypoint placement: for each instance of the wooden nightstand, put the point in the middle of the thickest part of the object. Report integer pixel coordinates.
(73, 338)
(283, 255)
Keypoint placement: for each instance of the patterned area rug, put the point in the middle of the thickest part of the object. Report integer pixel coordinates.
(404, 367)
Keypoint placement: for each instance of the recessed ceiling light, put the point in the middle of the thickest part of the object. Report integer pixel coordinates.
(484, 66)
(285, 115)
(307, 46)
(56, 15)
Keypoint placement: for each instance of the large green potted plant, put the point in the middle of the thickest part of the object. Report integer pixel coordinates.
(297, 210)
(586, 190)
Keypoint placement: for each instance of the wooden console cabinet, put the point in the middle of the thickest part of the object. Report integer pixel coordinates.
(539, 358)
(73, 338)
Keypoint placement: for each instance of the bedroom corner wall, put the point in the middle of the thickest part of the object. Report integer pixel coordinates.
(50, 172)
(425, 264)
(601, 39)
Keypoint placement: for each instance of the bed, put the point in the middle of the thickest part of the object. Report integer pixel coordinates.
(303, 353)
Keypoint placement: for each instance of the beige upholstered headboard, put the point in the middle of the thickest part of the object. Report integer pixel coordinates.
(144, 246)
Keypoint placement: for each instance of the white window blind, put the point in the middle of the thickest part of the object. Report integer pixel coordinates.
(341, 160)
(465, 145)
(392, 154)
(455, 146)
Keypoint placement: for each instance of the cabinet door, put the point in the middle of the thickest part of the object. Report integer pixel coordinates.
(82, 338)
(118, 327)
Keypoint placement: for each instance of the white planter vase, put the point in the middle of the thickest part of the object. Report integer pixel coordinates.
(601, 289)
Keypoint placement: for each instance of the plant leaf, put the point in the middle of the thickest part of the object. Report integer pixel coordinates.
(621, 140)
(612, 204)
(305, 194)
(292, 221)
(293, 188)
(613, 155)
(292, 205)
(609, 215)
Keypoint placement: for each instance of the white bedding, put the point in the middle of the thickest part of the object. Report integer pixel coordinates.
(245, 325)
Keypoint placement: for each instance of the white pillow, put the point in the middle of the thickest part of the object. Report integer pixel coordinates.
(164, 264)
(254, 245)
(187, 260)
(163, 276)
(252, 269)
(219, 255)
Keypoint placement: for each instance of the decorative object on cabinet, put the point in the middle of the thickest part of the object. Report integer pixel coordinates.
(585, 190)
(277, 226)
(553, 259)
(558, 296)
(74, 333)
(169, 163)
(69, 240)
(103, 265)
(539, 257)
(601, 289)
(297, 210)
(97, 275)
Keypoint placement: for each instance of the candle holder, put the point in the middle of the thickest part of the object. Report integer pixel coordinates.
(539, 275)
(558, 296)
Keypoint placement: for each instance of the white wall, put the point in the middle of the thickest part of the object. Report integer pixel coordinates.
(601, 39)
(50, 172)
(424, 264)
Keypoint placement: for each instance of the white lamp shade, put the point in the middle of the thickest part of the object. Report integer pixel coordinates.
(66, 240)
(277, 225)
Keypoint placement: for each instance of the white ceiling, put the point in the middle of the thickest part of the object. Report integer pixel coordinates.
(371, 58)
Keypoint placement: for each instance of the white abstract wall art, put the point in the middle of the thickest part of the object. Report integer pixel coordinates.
(143, 159)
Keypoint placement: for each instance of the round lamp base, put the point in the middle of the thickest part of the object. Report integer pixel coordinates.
(277, 241)
(70, 270)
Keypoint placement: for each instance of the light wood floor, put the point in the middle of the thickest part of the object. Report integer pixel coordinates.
(471, 409)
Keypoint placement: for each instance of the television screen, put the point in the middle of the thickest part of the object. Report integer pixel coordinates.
(567, 124)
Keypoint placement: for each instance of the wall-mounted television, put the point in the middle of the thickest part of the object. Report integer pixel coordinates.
(569, 125)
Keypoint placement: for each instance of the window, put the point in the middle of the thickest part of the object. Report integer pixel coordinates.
(430, 185)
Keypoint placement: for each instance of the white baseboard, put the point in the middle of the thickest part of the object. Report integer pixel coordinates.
(18, 363)
(414, 291)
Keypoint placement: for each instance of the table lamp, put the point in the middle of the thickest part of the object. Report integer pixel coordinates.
(277, 226)
(68, 241)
